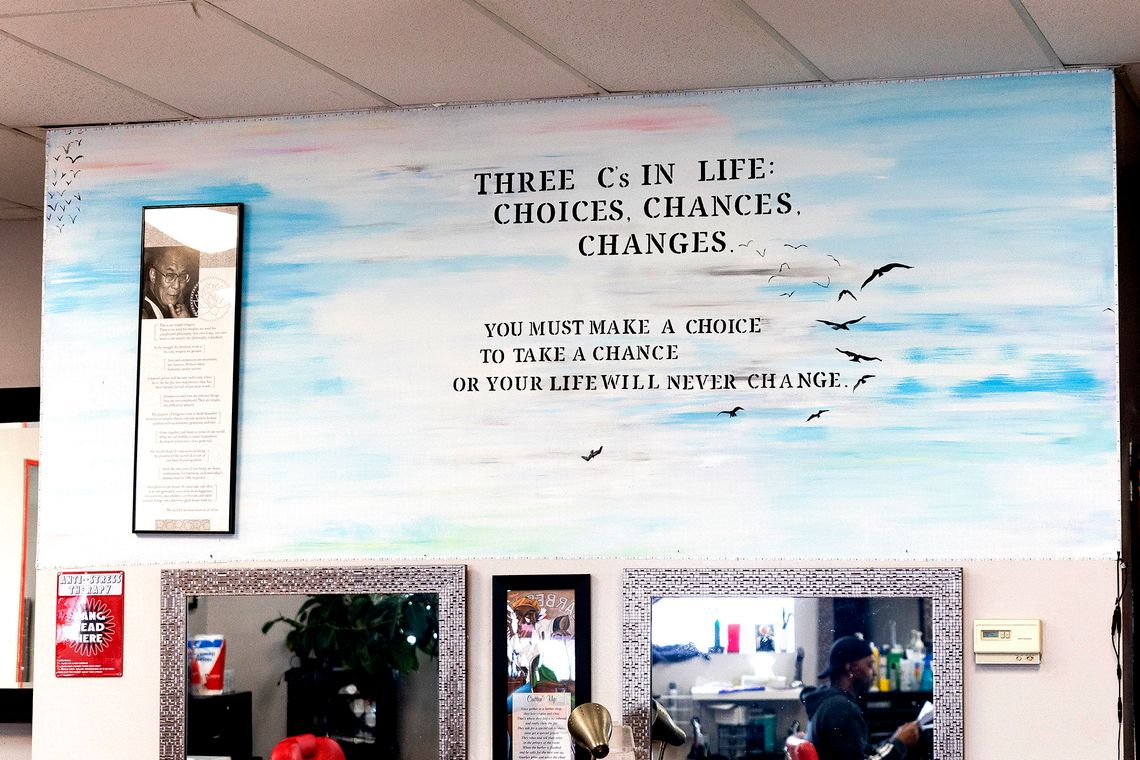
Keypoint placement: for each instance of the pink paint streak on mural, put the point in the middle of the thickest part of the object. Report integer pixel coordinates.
(656, 120)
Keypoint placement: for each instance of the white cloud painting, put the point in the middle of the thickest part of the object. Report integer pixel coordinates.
(960, 403)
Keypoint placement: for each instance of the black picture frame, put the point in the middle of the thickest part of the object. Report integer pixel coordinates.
(508, 596)
(20, 404)
(211, 280)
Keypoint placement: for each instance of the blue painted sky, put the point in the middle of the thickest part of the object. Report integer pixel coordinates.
(372, 263)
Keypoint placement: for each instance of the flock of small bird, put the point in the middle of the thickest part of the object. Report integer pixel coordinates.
(62, 205)
(845, 325)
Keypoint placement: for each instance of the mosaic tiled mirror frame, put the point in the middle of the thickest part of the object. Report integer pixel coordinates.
(448, 581)
(640, 586)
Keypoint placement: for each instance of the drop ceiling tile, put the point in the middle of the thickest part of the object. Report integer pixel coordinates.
(1107, 31)
(37, 132)
(22, 175)
(14, 212)
(884, 39)
(414, 51)
(27, 7)
(204, 63)
(636, 45)
(37, 89)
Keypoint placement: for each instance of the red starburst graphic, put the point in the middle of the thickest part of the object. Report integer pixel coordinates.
(94, 628)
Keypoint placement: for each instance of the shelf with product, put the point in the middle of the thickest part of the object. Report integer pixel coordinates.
(742, 703)
(747, 731)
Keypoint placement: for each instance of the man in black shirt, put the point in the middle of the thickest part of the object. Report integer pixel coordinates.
(836, 725)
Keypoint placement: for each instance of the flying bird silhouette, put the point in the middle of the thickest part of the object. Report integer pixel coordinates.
(847, 292)
(828, 285)
(762, 253)
(815, 415)
(882, 271)
(834, 259)
(789, 294)
(858, 357)
(842, 325)
(860, 381)
(73, 159)
(773, 277)
(731, 412)
(593, 454)
(785, 264)
(795, 247)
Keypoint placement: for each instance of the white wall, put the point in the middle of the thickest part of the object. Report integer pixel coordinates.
(21, 253)
(1070, 697)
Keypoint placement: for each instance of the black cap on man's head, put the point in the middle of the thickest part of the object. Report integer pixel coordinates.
(845, 649)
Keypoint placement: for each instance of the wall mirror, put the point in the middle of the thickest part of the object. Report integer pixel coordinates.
(734, 648)
(263, 695)
(19, 498)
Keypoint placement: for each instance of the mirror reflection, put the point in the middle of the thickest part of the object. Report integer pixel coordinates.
(19, 489)
(741, 674)
(360, 668)
(245, 607)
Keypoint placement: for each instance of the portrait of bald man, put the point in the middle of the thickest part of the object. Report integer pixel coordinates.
(169, 276)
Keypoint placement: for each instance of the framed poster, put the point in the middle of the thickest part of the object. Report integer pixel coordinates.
(185, 403)
(541, 640)
(89, 624)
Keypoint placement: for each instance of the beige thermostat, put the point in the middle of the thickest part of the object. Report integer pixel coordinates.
(1007, 642)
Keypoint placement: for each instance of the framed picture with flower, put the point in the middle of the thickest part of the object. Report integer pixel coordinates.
(541, 642)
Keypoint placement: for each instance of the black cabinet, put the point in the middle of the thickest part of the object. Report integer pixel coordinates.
(15, 705)
(887, 710)
(359, 711)
(220, 725)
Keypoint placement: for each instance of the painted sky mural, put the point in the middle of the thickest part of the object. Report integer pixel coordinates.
(865, 321)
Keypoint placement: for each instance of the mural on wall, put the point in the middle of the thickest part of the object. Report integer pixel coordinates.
(871, 320)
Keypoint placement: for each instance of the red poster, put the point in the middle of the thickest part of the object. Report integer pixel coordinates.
(89, 624)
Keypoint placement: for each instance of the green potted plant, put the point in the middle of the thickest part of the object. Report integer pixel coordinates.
(351, 650)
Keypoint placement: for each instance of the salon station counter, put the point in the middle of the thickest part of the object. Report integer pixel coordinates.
(745, 694)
